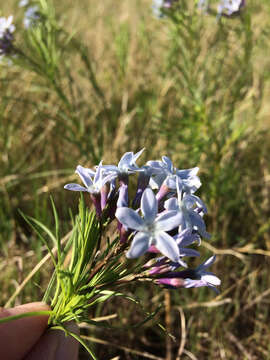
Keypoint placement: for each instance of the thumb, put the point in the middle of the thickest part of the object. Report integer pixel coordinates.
(19, 336)
(55, 345)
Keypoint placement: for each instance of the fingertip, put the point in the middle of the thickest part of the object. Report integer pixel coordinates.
(19, 336)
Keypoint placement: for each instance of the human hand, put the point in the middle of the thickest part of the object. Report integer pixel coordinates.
(28, 339)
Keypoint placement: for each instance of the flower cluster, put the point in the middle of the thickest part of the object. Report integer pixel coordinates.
(164, 216)
(6, 35)
(7, 28)
(31, 15)
(224, 7)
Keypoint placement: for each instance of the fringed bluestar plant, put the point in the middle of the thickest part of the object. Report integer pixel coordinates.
(6, 35)
(164, 217)
(94, 262)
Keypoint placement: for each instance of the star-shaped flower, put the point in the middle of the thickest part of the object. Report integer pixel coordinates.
(93, 181)
(203, 277)
(151, 228)
(127, 164)
(167, 174)
(6, 25)
(187, 205)
(192, 277)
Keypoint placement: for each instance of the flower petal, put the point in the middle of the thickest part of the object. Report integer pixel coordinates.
(198, 222)
(156, 164)
(129, 218)
(169, 220)
(167, 246)
(157, 180)
(139, 245)
(149, 206)
(192, 184)
(110, 168)
(126, 160)
(171, 204)
(189, 252)
(207, 263)
(170, 181)
(211, 279)
(137, 155)
(186, 238)
(85, 175)
(187, 173)
(98, 174)
(75, 187)
(169, 165)
(189, 283)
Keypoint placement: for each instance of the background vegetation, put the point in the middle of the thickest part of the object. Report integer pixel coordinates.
(115, 79)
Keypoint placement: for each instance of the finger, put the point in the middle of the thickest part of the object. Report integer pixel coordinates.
(19, 336)
(55, 345)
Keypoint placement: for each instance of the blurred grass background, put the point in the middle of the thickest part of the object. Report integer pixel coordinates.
(187, 87)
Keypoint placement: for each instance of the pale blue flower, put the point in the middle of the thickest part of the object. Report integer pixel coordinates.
(6, 26)
(186, 205)
(127, 164)
(187, 238)
(151, 228)
(93, 181)
(166, 174)
(192, 277)
(203, 277)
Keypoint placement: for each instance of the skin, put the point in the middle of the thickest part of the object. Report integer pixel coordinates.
(29, 338)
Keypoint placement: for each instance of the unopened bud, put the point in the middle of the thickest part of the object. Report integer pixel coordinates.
(174, 282)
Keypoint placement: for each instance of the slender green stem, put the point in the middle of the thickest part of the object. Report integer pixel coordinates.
(25, 315)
